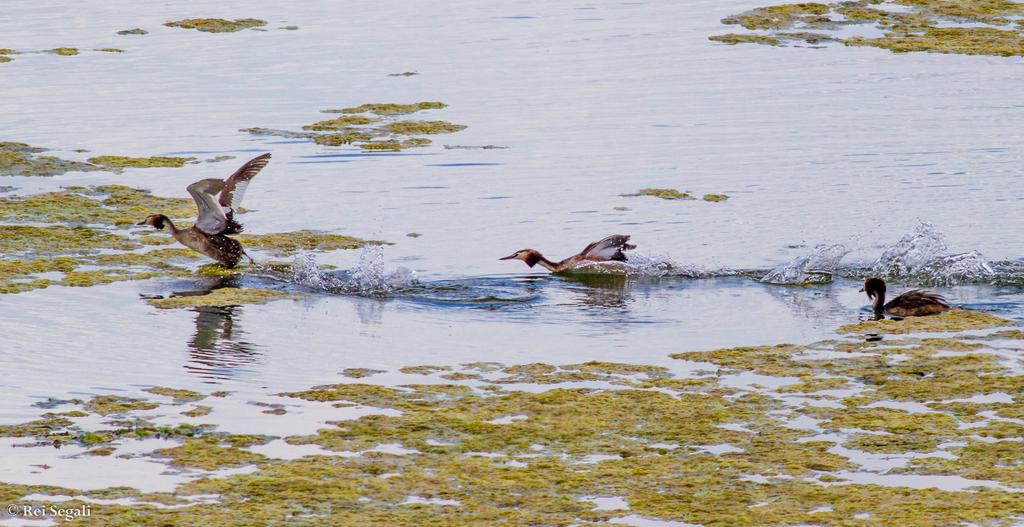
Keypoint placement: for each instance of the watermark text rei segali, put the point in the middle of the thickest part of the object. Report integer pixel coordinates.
(50, 511)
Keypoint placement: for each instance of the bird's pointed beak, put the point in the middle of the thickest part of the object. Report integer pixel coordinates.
(143, 222)
(861, 290)
(509, 257)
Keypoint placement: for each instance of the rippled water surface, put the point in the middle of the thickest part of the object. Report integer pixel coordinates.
(849, 146)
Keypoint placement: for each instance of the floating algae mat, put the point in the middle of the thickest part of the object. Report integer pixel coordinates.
(83, 236)
(372, 127)
(973, 27)
(673, 194)
(20, 159)
(216, 25)
(119, 162)
(847, 427)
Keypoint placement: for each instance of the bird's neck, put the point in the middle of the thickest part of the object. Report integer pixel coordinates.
(879, 305)
(554, 267)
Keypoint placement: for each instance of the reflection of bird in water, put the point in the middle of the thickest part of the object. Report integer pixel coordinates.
(215, 347)
(601, 290)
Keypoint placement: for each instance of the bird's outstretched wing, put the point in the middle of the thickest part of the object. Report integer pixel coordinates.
(211, 219)
(609, 248)
(235, 185)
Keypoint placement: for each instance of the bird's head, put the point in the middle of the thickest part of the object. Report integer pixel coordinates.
(155, 220)
(530, 256)
(874, 287)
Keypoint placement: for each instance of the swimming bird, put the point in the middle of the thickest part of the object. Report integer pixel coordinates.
(608, 249)
(916, 303)
(216, 201)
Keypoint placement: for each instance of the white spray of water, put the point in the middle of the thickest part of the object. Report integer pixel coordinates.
(920, 257)
(642, 266)
(368, 278)
(912, 252)
(818, 267)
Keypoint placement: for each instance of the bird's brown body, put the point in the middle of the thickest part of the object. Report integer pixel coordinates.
(220, 247)
(916, 303)
(216, 201)
(609, 249)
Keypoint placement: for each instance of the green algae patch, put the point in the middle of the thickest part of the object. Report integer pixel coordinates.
(197, 411)
(736, 38)
(206, 454)
(390, 108)
(111, 50)
(179, 395)
(715, 198)
(4, 58)
(957, 40)
(113, 404)
(422, 127)
(359, 373)
(58, 240)
(424, 369)
(952, 320)
(906, 25)
(20, 159)
(133, 31)
(344, 138)
(379, 132)
(663, 193)
(115, 205)
(394, 146)
(781, 16)
(340, 123)
(289, 243)
(66, 52)
(217, 25)
(226, 296)
(120, 162)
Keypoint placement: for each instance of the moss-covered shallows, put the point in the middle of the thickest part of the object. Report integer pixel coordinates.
(663, 193)
(973, 27)
(226, 296)
(371, 127)
(217, 25)
(20, 159)
(703, 449)
(119, 162)
(673, 194)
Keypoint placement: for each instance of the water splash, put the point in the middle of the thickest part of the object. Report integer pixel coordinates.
(911, 253)
(956, 269)
(920, 257)
(642, 266)
(368, 278)
(818, 267)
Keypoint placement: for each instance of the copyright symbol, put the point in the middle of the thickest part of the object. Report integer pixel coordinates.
(12, 510)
